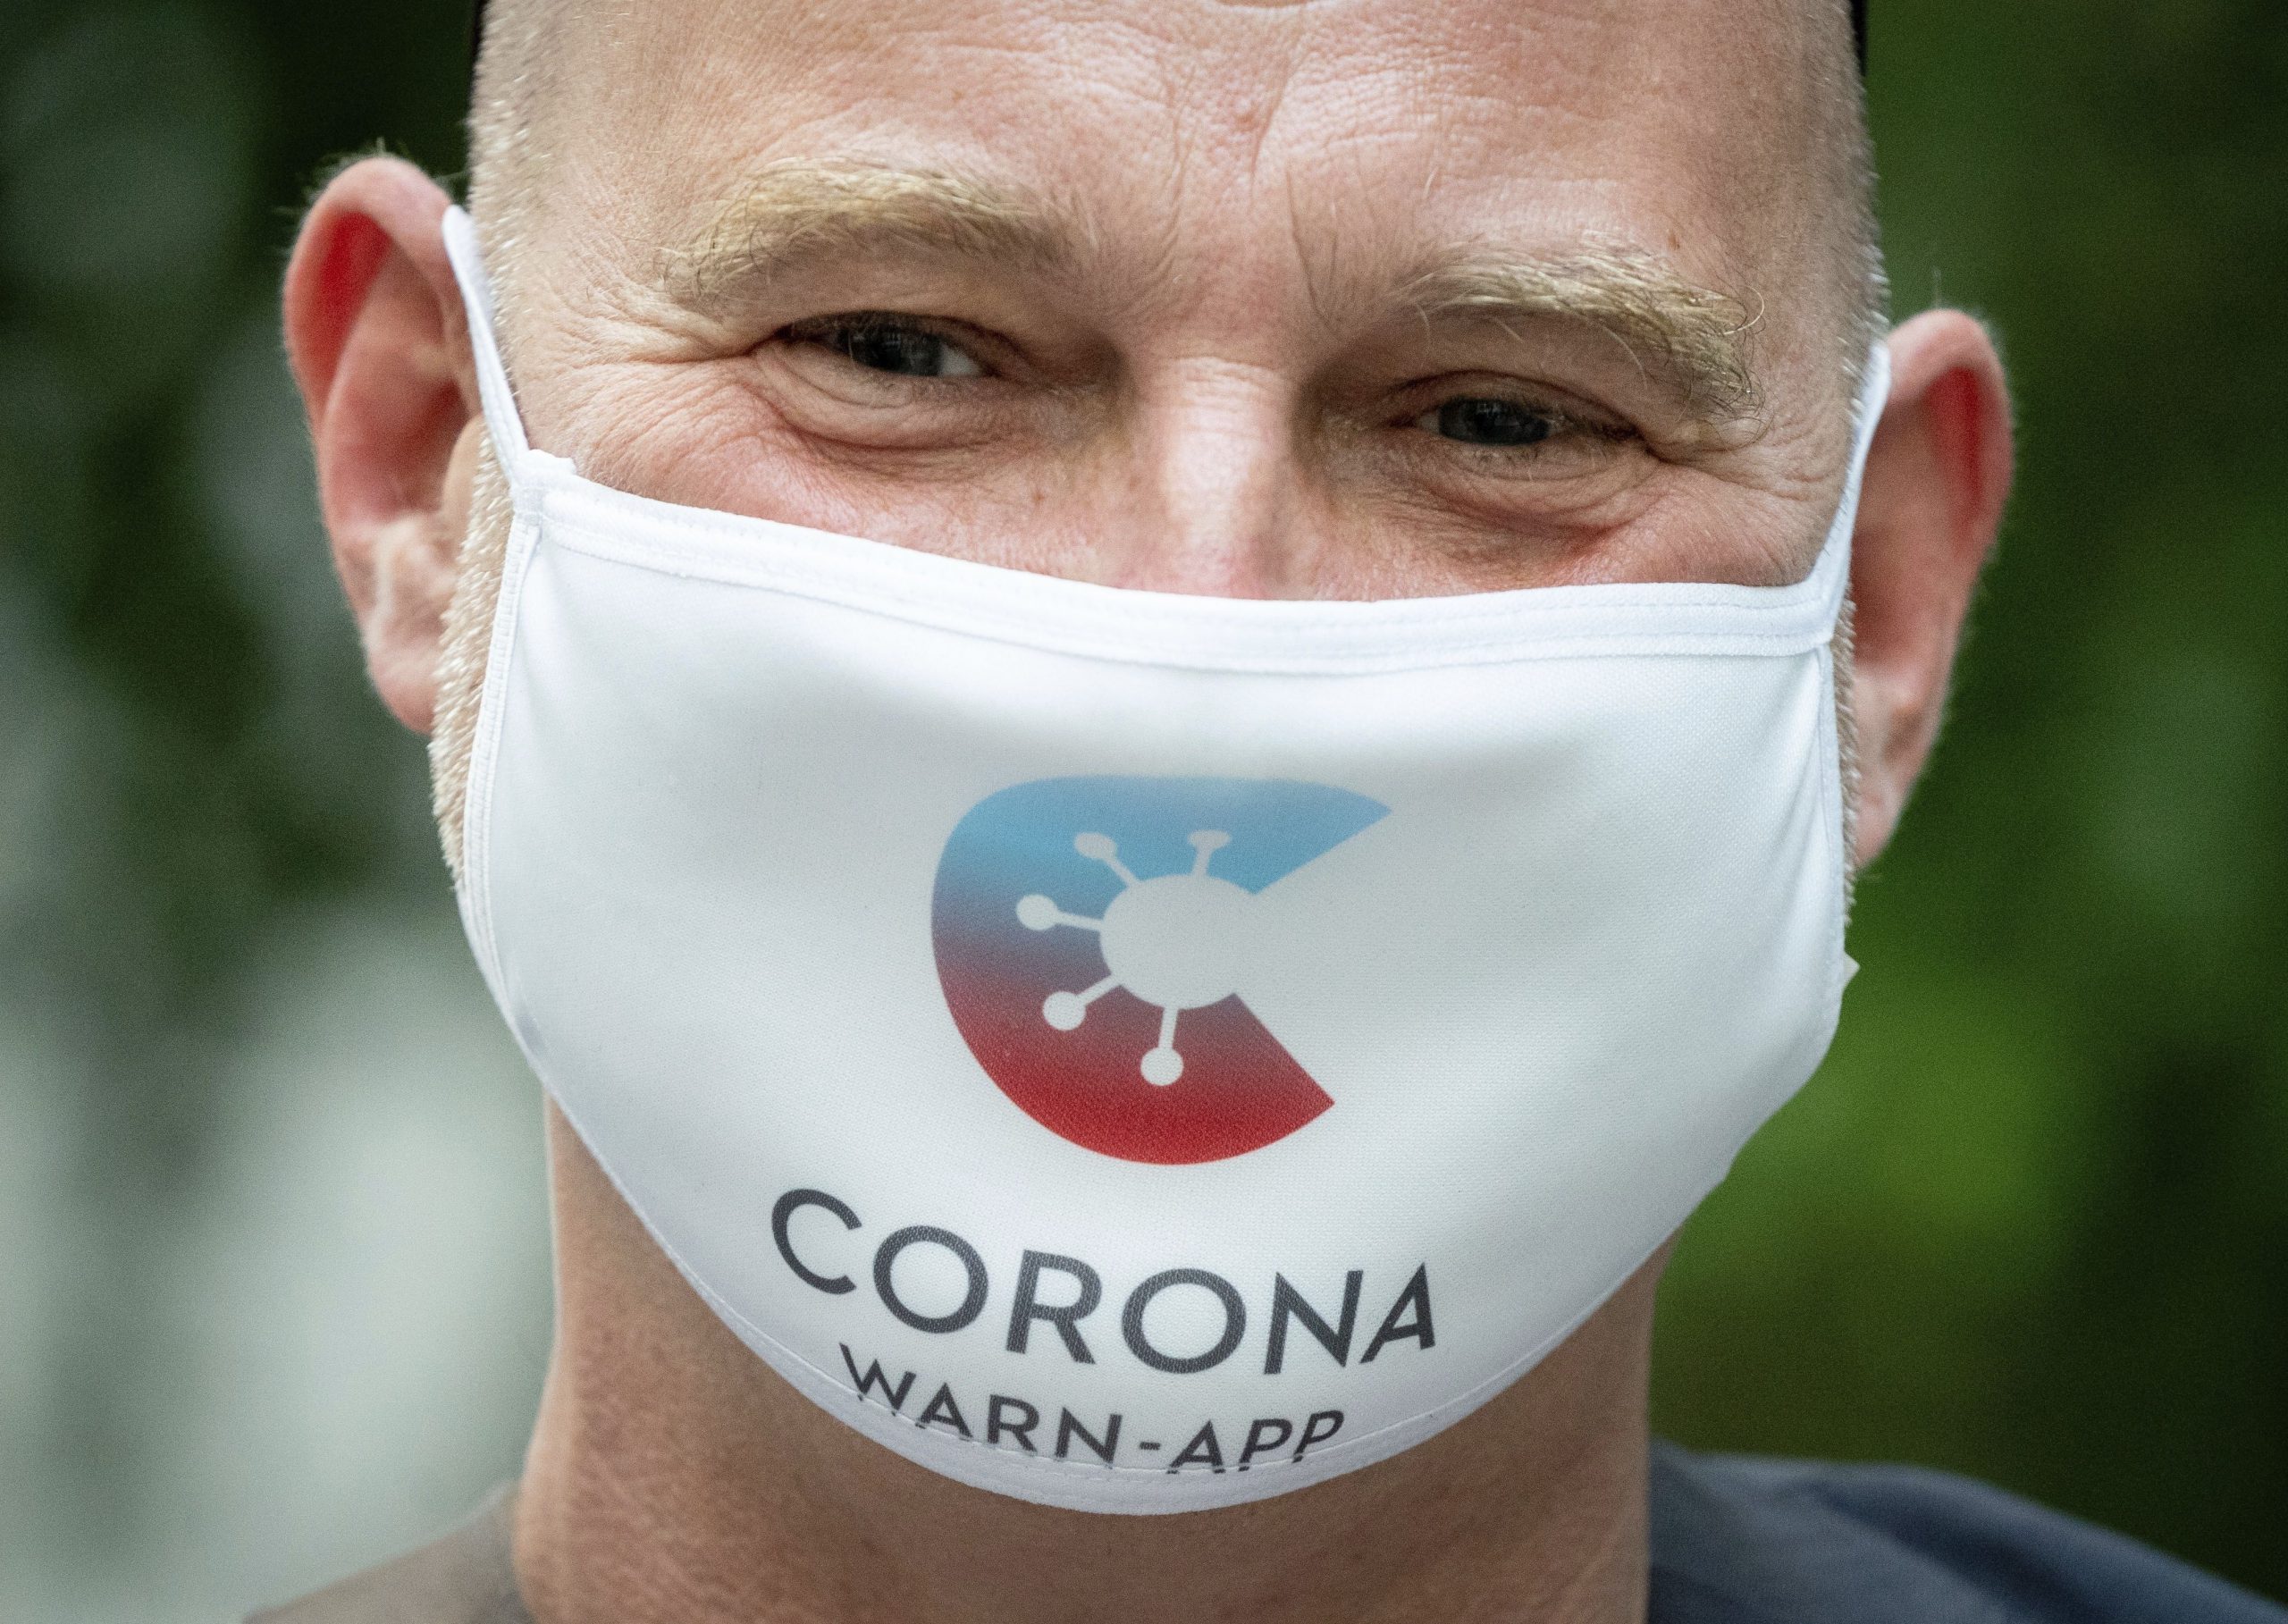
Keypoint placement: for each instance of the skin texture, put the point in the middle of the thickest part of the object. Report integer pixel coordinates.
(1206, 364)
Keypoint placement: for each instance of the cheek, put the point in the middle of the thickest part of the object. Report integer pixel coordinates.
(1707, 529)
(1058, 514)
(1043, 503)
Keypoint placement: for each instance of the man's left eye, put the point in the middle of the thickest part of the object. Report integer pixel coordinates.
(898, 348)
(1489, 420)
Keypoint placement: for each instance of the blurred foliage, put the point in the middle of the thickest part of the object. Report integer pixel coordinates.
(2030, 1221)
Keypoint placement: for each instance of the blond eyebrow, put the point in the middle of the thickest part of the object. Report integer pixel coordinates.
(794, 212)
(1691, 337)
(800, 211)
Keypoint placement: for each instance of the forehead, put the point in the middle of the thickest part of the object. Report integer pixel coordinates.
(1326, 130)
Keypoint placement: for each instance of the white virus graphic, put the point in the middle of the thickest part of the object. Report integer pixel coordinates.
(1174, 942)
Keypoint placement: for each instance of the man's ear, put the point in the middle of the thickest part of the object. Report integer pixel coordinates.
(1929, 511)
(379, 349)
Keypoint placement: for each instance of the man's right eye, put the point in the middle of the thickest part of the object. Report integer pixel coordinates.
(890, 344)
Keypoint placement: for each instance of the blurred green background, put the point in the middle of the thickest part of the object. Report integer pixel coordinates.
(273, 1289)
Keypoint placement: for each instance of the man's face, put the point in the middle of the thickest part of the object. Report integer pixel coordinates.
(1318, 300)
(1357, 299)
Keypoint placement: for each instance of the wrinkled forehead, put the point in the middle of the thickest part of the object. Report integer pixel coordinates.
(1195, 133)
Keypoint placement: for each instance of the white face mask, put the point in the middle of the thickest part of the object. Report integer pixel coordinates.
(1130, 1051)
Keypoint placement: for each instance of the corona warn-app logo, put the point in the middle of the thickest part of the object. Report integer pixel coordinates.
(1094, 938)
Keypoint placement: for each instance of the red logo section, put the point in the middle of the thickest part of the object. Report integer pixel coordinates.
(1094, 938)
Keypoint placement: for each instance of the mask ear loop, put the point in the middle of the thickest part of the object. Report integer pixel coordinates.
(1835, 557)
(1874, 396)
(493, 387)
(1831, 570)
(522, 466)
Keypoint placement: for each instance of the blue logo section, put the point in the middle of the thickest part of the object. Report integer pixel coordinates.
(1025, 834)
(1091, 934)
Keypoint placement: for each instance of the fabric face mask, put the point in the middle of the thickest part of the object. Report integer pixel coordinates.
(1130, 1051)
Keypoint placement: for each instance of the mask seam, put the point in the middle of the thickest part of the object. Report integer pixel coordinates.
(558, 488)
(1816, 594)
(1396, 648)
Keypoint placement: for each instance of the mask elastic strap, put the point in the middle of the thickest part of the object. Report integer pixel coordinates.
(1874, 395)
(492, 388)
(1831, 571)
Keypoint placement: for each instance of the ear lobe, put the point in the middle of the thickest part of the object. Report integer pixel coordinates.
(1930, 508)
(379, 346)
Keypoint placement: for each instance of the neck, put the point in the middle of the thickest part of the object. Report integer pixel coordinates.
(673, 1477)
